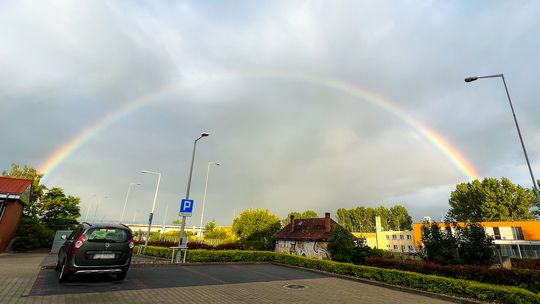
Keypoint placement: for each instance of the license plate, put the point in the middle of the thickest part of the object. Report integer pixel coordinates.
(100, 256)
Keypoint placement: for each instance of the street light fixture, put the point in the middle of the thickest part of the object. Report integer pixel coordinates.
(204, 197)
(473, 78)
(125, 201)
(203, 134)
(150, 217)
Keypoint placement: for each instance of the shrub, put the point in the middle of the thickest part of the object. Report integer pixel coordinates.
(533, 264)
(527, 279)
(31, 234)
(193, 245)
(341, 245)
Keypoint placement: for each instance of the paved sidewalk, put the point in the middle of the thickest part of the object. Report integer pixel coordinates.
(18, 272)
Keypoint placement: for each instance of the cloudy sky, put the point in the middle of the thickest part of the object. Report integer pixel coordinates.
(309, 104)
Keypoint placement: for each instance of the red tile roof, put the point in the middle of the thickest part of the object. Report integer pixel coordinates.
(13, 185)
(306, 229)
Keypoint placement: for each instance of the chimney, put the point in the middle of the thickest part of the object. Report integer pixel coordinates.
(327, 222)
(292, 223)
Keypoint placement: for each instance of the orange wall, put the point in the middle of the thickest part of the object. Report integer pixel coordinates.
(9, 222)
(531, 229)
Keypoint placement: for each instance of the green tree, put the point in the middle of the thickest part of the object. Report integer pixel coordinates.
(59, 212)
(33, 209)
(400, 218)
(255, 227)
(341, 244)
(344, 219)
(490, 200)
(210, 226)
(287, 219)
(298, 215)
(362, 219)
(439, 245)
(474, 245)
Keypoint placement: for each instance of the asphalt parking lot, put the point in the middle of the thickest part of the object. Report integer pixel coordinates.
(167, 277)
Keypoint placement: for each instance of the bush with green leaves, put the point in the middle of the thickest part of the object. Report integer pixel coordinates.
(475, 247)
(527, 279)
(341, 245)
(533, 264)
(439, 245)
(469, 245)
(32, 234)
(255, 227)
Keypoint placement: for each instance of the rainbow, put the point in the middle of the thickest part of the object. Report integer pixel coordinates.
(55, 159)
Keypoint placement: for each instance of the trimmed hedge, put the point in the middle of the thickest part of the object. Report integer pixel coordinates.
(527, 279)
(431, 283)
(194, 245)
(525, 263)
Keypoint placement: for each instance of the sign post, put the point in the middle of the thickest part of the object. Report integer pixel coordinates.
(186, 209)
(185, 205)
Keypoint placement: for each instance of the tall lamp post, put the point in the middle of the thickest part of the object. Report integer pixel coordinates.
(203, 134)
(97, 206)
(204, 196)
(125, 201)
(470, 79)
(89, 207)
(150, 217)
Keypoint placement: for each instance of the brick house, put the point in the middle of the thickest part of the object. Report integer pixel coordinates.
(306, 237)
(14, 195)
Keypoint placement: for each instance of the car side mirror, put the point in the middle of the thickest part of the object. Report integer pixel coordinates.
(64, 237)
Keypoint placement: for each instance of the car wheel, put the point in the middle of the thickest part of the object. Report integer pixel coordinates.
(121, 275)
(64, 275)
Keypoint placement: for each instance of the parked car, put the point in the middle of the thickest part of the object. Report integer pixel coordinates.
(96, 248)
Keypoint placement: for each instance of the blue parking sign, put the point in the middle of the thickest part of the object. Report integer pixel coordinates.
(186, 207)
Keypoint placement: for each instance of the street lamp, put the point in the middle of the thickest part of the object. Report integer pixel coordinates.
(125, 201)
(203, 134)
(204, 197)
(97, 206)
(471, 79)
(89, 207)
(153, 206)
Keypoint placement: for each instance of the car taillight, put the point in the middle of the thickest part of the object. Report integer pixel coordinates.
(131, 245)
(78, 243)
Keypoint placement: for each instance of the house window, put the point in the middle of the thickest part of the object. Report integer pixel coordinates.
(410, 248)
(388, 247)
(496, 233)
(387, 237)
(401, 236)
(394, 237)
(409, 237)
(402, 248)
(395, 247)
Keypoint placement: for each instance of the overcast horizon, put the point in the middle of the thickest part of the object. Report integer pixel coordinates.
(310, 105)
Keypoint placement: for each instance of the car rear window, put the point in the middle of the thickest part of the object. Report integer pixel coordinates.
(109, 235)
